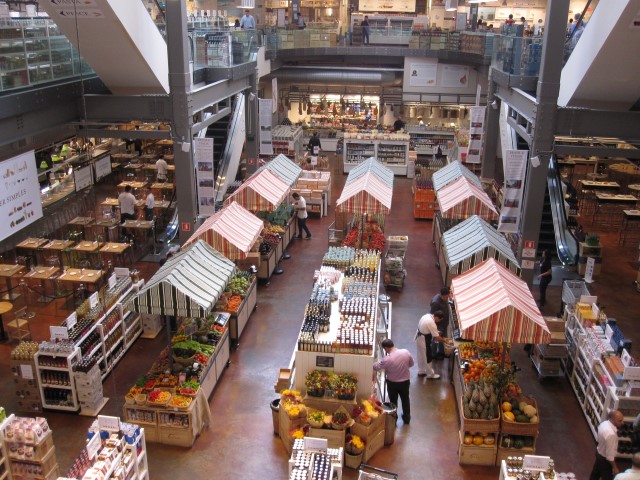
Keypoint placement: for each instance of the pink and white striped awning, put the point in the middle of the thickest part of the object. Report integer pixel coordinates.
(365, 194)
(492, 304)
(231, 231)
(462, 199)
(264, 191)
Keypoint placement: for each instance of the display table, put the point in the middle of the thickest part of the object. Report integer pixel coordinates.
(240, 319)
(630, 225)
(8, 271)
(43, 274)
(268, 264)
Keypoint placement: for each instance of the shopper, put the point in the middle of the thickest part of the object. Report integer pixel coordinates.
(300, 207)
(510, 20)
(605, 466)
(398, 124)
(365, 30)
(161, 170)
(440, 303)
(127, 203)
(545, 276)
(301, 23)
(632, 473)
(247, 22)
(396, 364)
(314, 144)
(426, 332)
(148, 205)
(538, 28)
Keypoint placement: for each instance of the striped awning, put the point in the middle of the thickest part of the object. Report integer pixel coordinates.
(462, 199)
(472, 242)
(188, 285)
(492, 304)
(366, 194)
(284, 168)
(231, 231)
(443, 177)
(263, 191)
(371, 165)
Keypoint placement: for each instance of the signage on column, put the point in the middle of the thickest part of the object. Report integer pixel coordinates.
(476, 133)
(588, 274)
(265, 116)
(203, 158)
(516, 166)
(529, 250)
(185, 226)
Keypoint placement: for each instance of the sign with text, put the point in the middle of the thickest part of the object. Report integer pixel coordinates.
(89, 13)
(83, 177)
(514, 174)
(265, 117)
(20, 203)
(93, 300)
(476, 134)
(423, 74)
(455, 76)
(408, 6)
(121, 272)
(108, 424)
(588, 274)
(26, 372)
(58, 333)
(94, 445)
(324, 361)
(203, 158)
(536, 463)
(71, 320)
(112, 281)
(102, 167)
(318, 445)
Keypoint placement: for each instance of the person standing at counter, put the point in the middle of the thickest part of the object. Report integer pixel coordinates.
(161, 170)
(398, 124)
(314, 144)
(396, 365)
(440, 303)
(148, 205)
(426, 332)
(127, 203)
(365, 30)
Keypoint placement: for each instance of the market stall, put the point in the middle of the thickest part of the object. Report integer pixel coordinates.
(471, 243)
(450, 173)
(264, 194)
(456, 202)
(286, 169)
(493, 307)
(371, 165)
(233, 231)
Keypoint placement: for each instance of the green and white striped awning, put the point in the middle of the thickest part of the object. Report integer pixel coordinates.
(446, 175)
(284, 168)
(188, 285)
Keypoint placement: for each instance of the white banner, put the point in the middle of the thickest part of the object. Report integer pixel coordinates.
(20, 203)
(265, 106)
(102, 167)
(476, 133)
(514, 174)
(423, 74)
(83, 177)
(274, 94)
(203, 158)
(407, 6)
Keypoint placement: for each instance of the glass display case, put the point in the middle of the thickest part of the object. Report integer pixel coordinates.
(386, 29)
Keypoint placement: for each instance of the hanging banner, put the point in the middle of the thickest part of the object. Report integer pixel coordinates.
(516, 167)
(20, 203)
(274, 95)
(203, 158)
(265, 115)
(476, 133)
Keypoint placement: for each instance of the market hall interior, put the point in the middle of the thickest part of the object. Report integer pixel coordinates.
(240, 443)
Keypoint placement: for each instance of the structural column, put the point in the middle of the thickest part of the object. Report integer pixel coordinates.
(252, 126)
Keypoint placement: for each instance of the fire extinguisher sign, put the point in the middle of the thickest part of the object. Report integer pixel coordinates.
(185, 226)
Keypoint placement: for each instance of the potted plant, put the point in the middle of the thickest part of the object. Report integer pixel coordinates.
(592, 239)
(316, 382)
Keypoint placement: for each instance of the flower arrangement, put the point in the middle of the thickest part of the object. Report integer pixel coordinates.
(368, 411)
(354, 445)
(341, 419)
(291, 401)
(344, 386)
(316, 382)
(316, 418)
(299, 433)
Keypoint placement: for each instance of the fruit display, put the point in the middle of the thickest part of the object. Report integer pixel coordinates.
(517, 441)
(519, 411)
(480, 401)
(238, 285)
(479, 439)
(158, 397)
(180, 401)
(189, 388)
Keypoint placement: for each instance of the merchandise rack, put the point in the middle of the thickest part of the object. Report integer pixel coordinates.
(63, 374)
(393, 154)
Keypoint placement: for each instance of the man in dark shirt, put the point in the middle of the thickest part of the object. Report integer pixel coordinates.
(441, 303)
(398, 124)
(314, 142)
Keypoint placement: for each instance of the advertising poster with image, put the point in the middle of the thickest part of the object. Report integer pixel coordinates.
(407, 6)
(423, 74)
(514, 173)
(203, 158)
(455, 76)
(20, 203)
(476, 133)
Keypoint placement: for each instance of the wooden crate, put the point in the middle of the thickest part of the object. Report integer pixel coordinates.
(370, 431)
(476, 454)
(515, 428)
(335, 438)
(503, 452)
(288, 424)
(374, 444)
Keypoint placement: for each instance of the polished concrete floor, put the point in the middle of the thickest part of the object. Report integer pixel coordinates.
(240, 442)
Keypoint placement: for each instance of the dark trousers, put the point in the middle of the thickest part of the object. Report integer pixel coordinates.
(302, 225)
(544, 283)
(365, 35)
(602, 469)
(400, 389)
(436, 346)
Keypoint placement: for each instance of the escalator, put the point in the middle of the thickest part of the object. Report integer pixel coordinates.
(228, 162)
(563, 240)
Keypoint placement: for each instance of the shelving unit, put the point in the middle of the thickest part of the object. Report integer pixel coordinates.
(26, 458)
(55, 379)
(5, 469)
(424, 140)
(391, 153)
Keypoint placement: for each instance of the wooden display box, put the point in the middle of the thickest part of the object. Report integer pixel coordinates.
(40, 450)
(370, 431)
(374, 444)
(335, 438)
(329, 405)
(524, 429)
(284, 380)
(476, 454)
(288, 424)
(473, 425)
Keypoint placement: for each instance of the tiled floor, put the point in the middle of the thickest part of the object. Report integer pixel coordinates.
(240, 442)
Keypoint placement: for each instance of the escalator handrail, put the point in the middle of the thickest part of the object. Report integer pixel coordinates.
(566, 242)
(226, 154)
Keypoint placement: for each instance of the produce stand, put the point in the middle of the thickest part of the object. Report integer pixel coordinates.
(470, 243)
(458, 201)
(452, 172)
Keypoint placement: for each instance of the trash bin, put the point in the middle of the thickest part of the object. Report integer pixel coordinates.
(390, 422)
(275, 414)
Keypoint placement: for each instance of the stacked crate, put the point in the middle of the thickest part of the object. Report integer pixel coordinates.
(372, 435)
(23, 370)
(424, 203)
(89, 388)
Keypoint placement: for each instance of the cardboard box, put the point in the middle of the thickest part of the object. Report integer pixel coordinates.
(373, 445)
(335, 438)
(555, 324)
(284, 380)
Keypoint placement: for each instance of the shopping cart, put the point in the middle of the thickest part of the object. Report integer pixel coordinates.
(367, 472)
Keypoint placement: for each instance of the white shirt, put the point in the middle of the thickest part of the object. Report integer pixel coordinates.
(127, 203)
(427, 326)
(301, 208)
(630, 474)
(607, 440)
(150, 200)
(162, 168)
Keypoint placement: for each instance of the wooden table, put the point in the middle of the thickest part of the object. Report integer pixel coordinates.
(591, 185)
(84, 223)
(160, 189)
(610, 204)
(8, 271)
(116, 251)
(5, 307)
(630, 223)
(134, 185)
(78, 275)
(635, 188)
(32, 245)
(107, 225)
(87, 247)
(43, 274)
(58, 247)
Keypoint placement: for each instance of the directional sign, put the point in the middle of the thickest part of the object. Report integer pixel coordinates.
(77, 3)
(84, 13)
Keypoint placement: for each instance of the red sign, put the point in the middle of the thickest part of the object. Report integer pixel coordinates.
(252, 161)
(186, 226)
(529, 244)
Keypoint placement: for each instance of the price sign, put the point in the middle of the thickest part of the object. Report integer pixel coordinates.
(26, 372)
(112, 280)
(588, 299)
(608, 332)
(588, 274)
(59, 333)
(109, 424)
(535, 462)
(93, 300)
(94, 445)
(318, 445)
(626, 358)
(121, 272)
(71, 320)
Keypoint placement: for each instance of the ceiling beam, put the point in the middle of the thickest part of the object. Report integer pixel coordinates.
(577, 122)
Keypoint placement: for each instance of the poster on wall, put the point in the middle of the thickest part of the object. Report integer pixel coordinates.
(407, 6)
(203, 158)
(514, 173)
(20, 194)
(423, 74)
(274, 95)
(476, 133)
(102, 167)
(455, 76)
(83, 177)
(265, 116)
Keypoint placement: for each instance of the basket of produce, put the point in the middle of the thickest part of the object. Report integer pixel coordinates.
(140, 399)
(184, 352)
(167, 381)
(189, 388)
(129, 399)
(180, 402)
(233, 304)
(158, 398)
(520, 416)
(480, 410)
(315, 418)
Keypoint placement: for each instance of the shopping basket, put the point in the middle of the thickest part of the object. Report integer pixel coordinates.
(367, 472)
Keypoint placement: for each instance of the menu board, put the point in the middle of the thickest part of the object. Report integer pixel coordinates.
(20, 203)
(83, 177)
(103, 167)
(406, 6)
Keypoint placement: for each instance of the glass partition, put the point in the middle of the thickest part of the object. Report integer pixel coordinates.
(517, 55)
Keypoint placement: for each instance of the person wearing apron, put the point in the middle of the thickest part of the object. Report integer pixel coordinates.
(426, 332)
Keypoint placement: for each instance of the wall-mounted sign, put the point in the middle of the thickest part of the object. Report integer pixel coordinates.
(83, 177)
(323, 361)
(408, 6)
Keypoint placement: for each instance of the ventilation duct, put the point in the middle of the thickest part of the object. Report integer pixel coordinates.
(321, 76)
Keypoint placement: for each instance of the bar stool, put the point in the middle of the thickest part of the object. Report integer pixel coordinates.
(19, 329)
